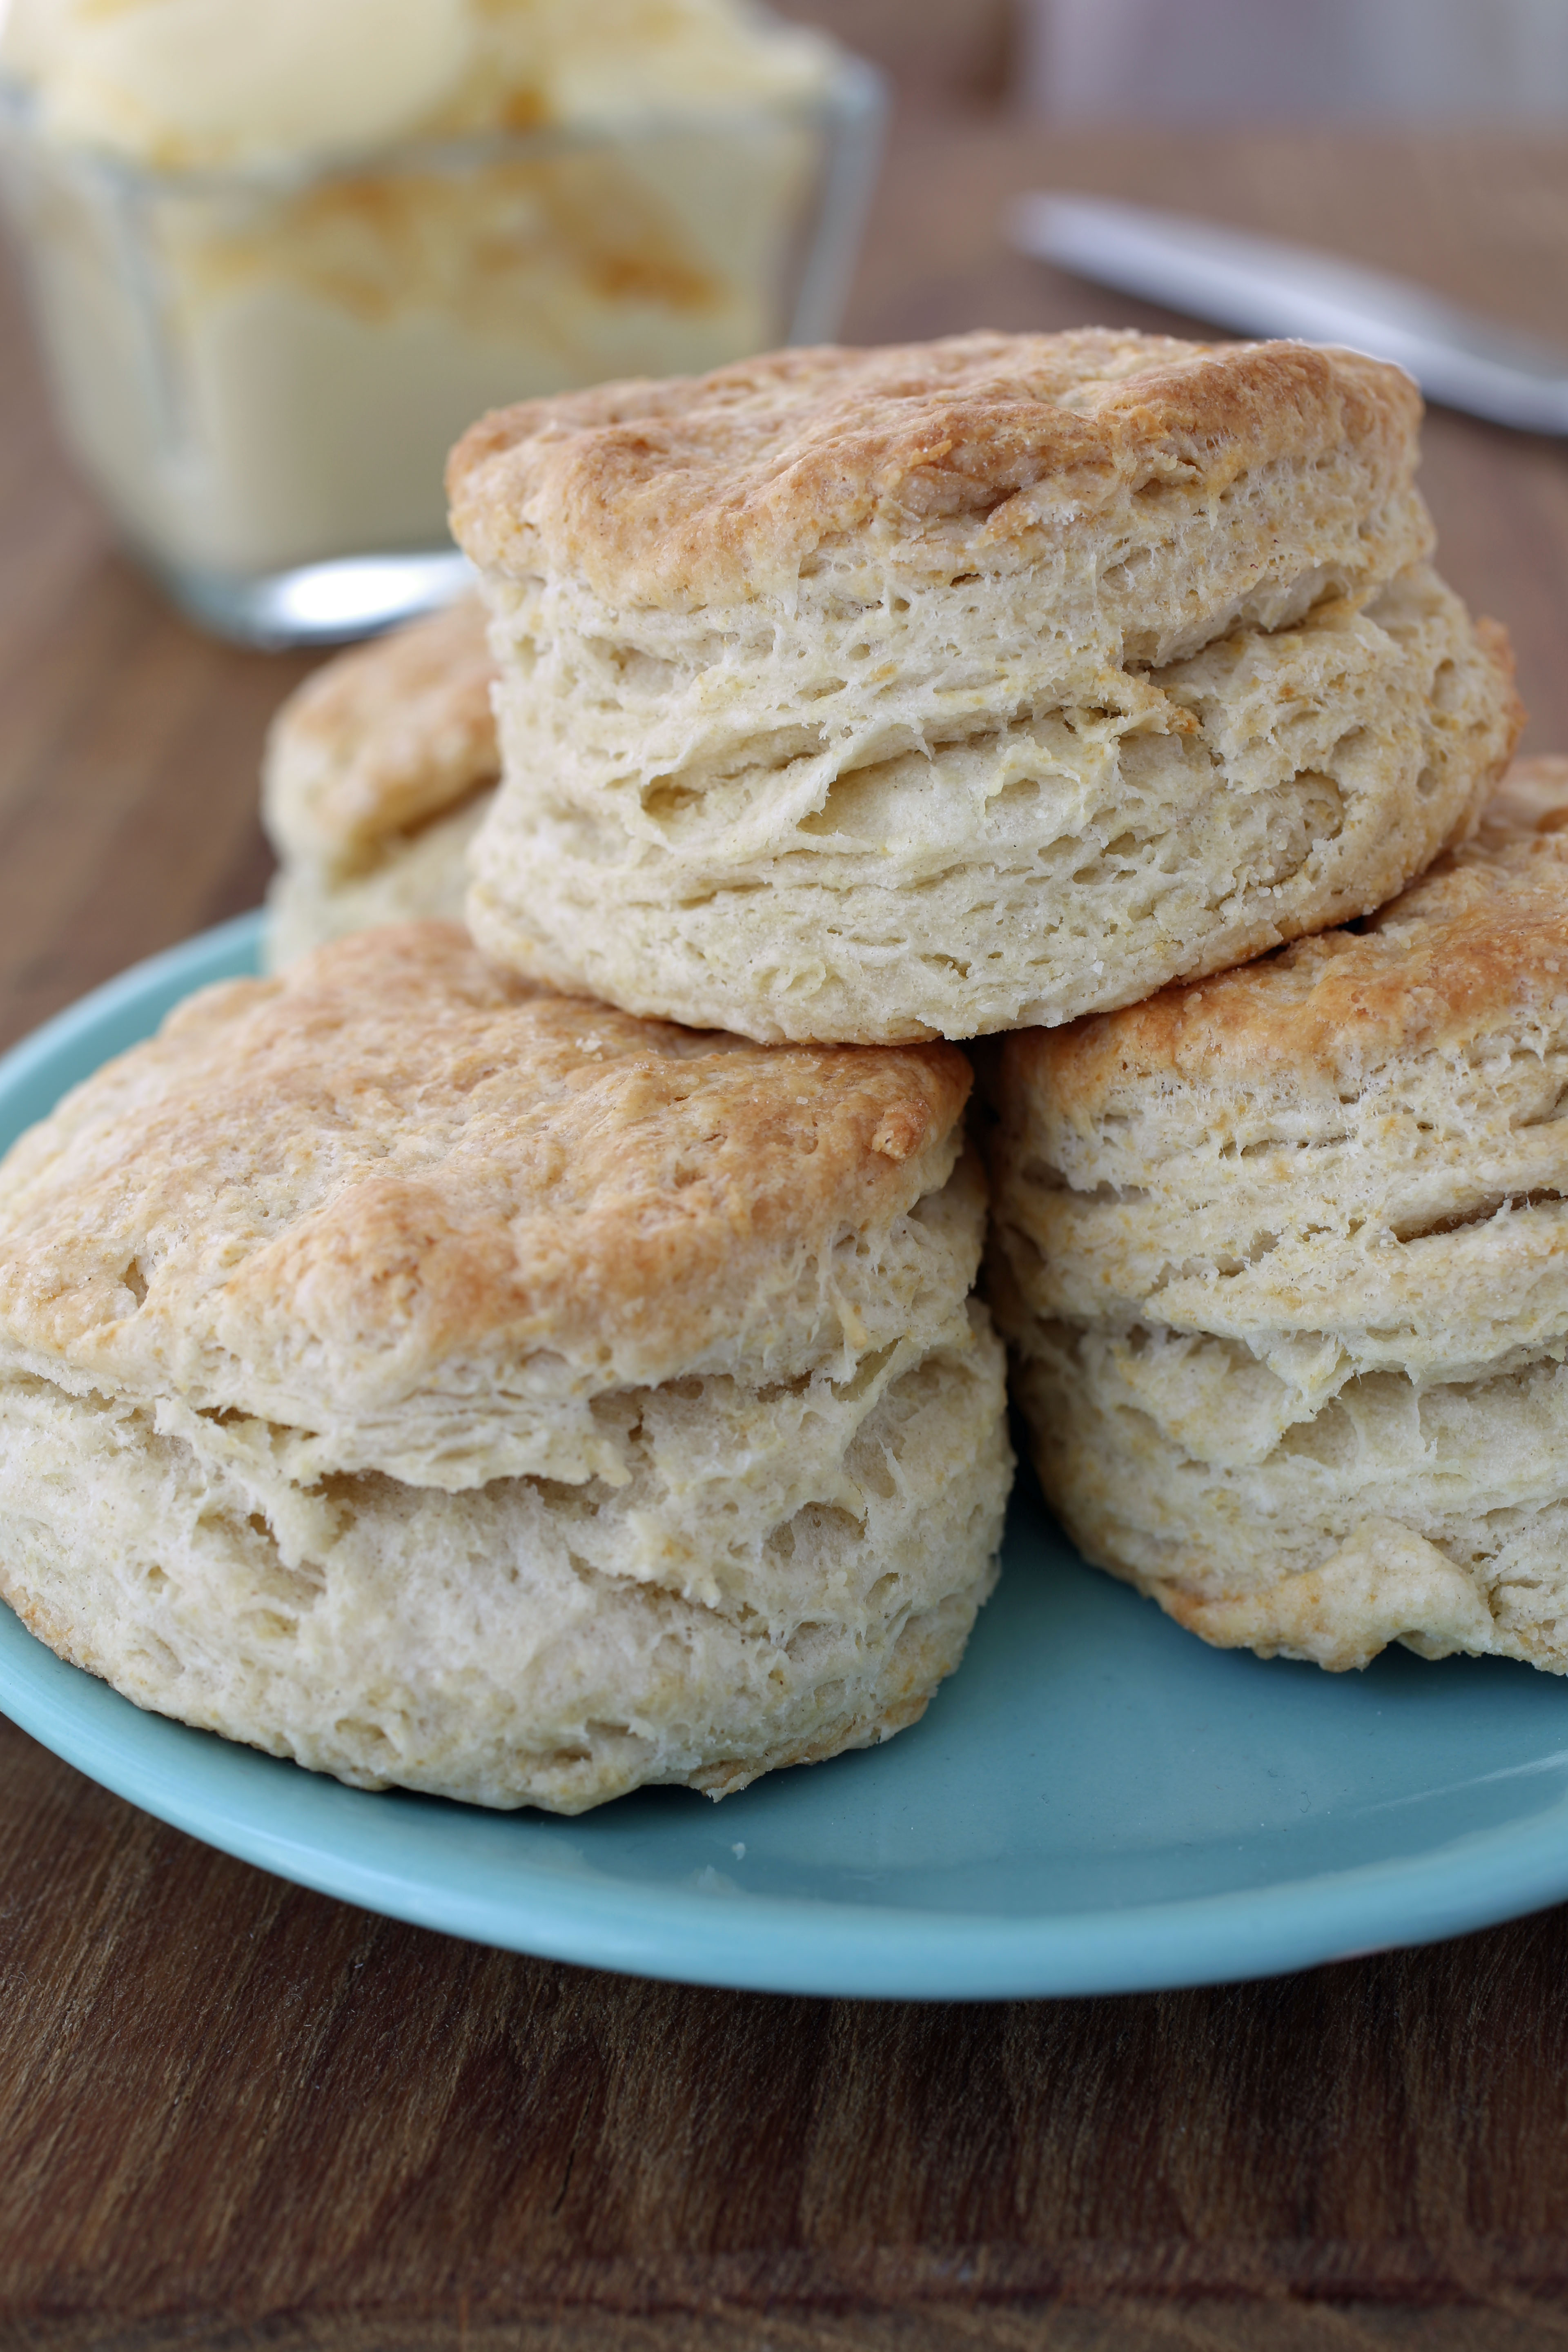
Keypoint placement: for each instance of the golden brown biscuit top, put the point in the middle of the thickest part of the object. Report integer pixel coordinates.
(702, 489)
(381, 739)
(392, 1160)
(1481, 937)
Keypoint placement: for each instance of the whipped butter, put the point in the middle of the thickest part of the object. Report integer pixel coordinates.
(284, 253)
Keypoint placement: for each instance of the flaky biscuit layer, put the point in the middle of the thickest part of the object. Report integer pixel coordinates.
(700, 842)
(779, 1577)
(421, 876)
(1284, 1255)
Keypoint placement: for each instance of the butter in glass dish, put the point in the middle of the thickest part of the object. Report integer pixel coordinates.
(280, 258)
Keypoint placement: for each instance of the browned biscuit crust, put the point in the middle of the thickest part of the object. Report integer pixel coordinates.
(967, 453)
(380, 740)
(312, 1196)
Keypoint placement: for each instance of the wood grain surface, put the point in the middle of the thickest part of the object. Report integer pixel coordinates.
(233, 2114)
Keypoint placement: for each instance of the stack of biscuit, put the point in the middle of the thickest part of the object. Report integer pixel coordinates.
(1000, 683)
(533, 1367)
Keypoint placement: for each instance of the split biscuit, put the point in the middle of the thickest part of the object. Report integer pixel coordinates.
(1283, 1258)
(938, 691)
(494, 1394)
(377, 772)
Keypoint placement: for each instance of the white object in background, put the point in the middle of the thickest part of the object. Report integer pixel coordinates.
(1176, 62)
(1262, 286)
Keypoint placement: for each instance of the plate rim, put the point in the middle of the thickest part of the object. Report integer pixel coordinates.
(760, 1942)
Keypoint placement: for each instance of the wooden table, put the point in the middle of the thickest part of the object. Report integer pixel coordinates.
(234, 2113)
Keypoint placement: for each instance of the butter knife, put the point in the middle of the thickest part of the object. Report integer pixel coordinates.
(1261, 286)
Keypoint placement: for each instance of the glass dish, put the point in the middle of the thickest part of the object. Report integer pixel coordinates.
(261, 371)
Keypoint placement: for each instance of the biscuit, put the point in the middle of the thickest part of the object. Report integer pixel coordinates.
(883, 695)
(1283, 1257)
(376, 773)
(494, 1394)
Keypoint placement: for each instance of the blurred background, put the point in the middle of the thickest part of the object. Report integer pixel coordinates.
(1218, 61)
(1213, 61)
(277, 264)
(941, 54)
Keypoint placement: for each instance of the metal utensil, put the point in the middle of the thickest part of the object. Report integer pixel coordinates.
(1262, 286)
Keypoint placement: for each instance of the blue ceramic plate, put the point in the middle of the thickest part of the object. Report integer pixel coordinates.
(1095, 1803)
